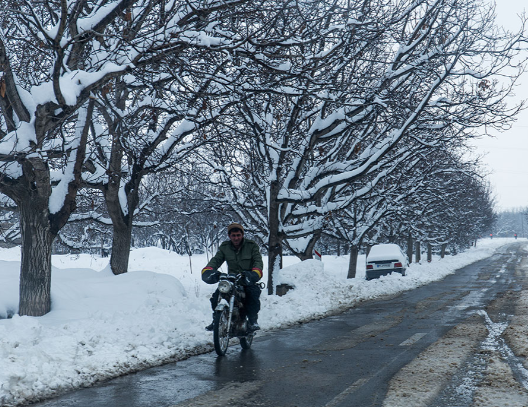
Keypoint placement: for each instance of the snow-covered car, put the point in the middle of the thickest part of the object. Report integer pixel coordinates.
(384, 259)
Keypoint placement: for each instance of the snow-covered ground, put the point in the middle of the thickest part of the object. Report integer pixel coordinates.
(103, 325)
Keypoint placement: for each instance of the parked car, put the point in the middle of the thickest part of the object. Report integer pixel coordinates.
(384, 259)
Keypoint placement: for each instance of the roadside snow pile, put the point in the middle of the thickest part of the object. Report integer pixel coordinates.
(102, 325)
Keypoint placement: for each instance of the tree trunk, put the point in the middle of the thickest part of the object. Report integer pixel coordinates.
(352, 263)
(409, 249)
(121, 241)
(274, 262)
(429, 252)
(274, 239)
(443, 250)
(38, 226)
(121, 216)
(122, 228)
(35, 268)
(418, 252)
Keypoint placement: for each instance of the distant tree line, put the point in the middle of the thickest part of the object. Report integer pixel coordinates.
(511, 223)
(139, 122)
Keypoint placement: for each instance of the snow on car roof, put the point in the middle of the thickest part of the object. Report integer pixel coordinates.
(389, 251)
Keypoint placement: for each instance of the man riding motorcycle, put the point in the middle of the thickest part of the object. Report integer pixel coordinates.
(242, 256)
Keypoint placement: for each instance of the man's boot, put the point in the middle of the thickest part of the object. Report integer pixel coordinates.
(210, 327)
(253, 325)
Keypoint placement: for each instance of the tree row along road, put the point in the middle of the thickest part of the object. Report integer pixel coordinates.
(458, 342)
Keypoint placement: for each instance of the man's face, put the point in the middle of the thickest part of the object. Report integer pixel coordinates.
(236, 237)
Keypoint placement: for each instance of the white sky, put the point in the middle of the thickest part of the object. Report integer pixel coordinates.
(507, 153)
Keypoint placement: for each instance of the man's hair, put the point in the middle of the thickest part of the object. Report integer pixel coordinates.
(235, 227)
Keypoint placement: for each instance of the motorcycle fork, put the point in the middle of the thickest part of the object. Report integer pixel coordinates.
(231, 306)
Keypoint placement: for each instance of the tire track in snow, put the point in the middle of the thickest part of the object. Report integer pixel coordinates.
(495, 341)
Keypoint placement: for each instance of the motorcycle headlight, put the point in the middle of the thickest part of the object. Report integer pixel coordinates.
(224, 287)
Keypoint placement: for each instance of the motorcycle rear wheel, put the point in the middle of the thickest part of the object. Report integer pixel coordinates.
(246, 341)
(220, 332)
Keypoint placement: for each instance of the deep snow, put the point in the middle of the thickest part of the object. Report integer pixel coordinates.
(103, 325)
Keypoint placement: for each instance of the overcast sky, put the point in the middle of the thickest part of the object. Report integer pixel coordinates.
(507, 153)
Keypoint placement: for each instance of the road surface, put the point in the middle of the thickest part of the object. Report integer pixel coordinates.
(456, 342)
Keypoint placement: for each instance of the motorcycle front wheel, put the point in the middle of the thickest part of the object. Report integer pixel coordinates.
(220, 332)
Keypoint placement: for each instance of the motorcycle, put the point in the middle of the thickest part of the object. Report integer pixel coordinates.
(229, 318)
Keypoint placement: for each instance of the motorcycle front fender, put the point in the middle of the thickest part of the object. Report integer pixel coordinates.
(222, 305)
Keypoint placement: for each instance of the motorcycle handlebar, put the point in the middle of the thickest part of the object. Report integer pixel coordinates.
(237, 277)
(230, 276)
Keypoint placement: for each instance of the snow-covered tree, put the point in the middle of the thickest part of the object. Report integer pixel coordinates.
(155, 116)
(451, 207)
(147, 128)
(358, 90)
(56, 60)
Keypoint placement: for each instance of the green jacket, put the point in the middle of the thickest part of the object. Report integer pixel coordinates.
(247, 258)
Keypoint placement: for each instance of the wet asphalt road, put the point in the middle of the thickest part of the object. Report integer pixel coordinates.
(344, 360)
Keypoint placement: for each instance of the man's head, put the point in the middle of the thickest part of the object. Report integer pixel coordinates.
(235, 231)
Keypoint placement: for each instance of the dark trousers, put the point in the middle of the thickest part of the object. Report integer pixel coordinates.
(252, 301)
